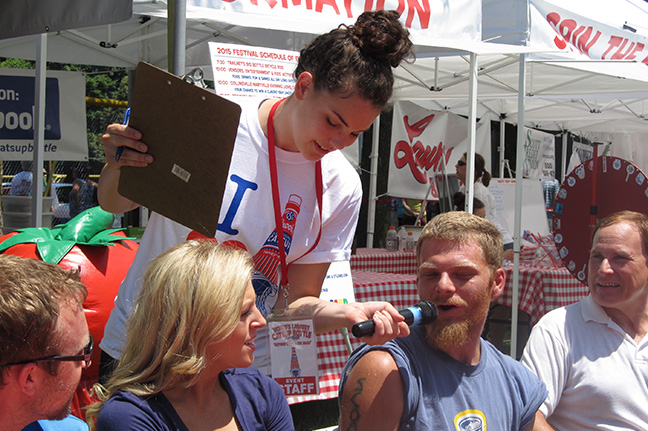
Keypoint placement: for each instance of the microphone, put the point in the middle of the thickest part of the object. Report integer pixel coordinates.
(421, 313)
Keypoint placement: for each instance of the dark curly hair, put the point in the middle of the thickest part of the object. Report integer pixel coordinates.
(358, 58)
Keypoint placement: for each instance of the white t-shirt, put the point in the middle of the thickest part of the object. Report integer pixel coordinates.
(596, 374)
(247, 216)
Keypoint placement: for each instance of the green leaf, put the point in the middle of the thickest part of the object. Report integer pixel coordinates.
(88, 228)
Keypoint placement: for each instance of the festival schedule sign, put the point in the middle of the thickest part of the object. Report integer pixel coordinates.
(539, 155)
(244, 71)
(422, 141)
(65, 116)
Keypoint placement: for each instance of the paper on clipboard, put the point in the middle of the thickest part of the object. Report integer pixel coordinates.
(190, 132)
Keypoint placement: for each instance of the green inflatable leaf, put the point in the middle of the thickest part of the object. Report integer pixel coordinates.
(88, 228)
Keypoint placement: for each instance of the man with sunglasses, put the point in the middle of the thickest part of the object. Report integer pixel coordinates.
(44, 342)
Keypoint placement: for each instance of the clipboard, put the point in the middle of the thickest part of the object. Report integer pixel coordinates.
(190, 132)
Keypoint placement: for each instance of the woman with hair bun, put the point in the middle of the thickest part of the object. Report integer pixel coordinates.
(190, 338)
(286, 180)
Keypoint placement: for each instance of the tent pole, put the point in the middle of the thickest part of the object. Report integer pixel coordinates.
(563, 174)
(472, 132)
(177, 21)
(518, 205)
(39, 131)
(373, 181)
(502, 145)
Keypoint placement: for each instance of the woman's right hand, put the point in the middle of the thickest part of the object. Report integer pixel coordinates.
(134, 152)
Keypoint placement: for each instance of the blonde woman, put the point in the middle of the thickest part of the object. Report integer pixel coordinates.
(189, 342)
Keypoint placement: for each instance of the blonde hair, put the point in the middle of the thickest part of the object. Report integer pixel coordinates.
(191, 297)
(463, 227)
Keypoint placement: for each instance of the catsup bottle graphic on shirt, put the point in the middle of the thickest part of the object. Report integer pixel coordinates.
(295, 370)
(266, 260)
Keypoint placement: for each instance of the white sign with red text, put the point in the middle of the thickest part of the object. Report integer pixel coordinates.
(293, 350)
(575, 33)
(426, 20)
(244, 71)
(422, 140)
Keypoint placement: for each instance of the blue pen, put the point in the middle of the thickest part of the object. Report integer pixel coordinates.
(120, 150)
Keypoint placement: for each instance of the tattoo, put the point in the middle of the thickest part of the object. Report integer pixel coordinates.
(355, 411)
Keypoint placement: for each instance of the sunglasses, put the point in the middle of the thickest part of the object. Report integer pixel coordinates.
(461, 163)
(86, 357)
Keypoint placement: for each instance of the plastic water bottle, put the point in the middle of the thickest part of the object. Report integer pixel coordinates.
(402, 238)
(392, 239)
(410, 244)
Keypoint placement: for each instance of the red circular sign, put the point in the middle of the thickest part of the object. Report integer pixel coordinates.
(586, 196)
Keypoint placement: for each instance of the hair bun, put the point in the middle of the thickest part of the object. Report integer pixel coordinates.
(379, 34)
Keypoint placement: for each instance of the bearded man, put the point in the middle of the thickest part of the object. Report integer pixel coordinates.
(444, 376)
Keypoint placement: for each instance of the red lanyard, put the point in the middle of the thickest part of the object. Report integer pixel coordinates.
(276, 198)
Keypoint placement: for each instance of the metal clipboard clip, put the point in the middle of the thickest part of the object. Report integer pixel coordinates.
(195, 77)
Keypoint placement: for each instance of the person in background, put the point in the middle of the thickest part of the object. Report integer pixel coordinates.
(433, 208)
(21, 183)
(82, 196)
(411, 209)
(396, 212)
(44, 344)
(482, 180)
(444, 376)
(84, 191)
(186, 367)
(593, 355)
(479, 209)
(343, 80)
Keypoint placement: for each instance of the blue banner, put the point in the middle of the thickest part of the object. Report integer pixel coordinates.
(17, 108)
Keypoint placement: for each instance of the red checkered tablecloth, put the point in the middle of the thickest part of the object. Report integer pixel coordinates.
(542, 289)
(381, 260)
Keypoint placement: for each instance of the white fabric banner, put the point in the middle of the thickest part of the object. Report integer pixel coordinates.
(593, 36)
(420, 137)
(539, 155)
(65, 115)
(425, 19)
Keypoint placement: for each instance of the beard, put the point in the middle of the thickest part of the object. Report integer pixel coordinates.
(445, 336)
(62, 413)
(49, 406)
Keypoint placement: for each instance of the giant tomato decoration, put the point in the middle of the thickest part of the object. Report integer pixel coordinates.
(103, 256)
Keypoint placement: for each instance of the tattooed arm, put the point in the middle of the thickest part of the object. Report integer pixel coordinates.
(372, 398)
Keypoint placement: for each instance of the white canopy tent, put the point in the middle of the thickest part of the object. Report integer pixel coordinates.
(443, 28)
(435, 27)
(145, 36)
